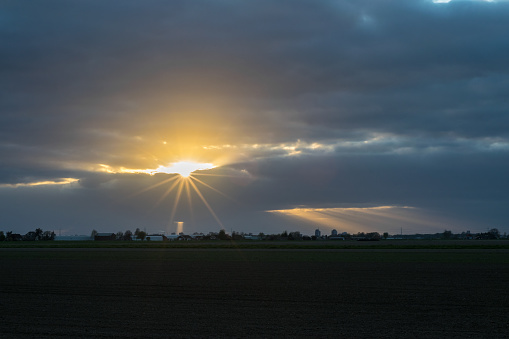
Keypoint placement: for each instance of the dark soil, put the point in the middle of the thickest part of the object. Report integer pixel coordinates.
(64, 297)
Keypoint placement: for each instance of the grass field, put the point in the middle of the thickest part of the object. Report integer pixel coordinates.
(384, 244)
(254, 292)
(498, 256)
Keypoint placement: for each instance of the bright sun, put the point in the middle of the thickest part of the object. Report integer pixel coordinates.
(184, 168)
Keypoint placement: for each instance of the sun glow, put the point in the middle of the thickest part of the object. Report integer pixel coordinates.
(184, 168)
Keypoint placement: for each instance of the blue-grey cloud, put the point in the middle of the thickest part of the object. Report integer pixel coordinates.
(316, 103)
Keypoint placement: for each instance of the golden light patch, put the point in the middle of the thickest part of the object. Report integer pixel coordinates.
(62, 181)
(184, 168)
(369, 219)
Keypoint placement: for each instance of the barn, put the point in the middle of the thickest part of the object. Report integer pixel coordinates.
(105, 237)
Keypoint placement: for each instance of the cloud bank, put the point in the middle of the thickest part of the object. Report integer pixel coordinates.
(301, 104)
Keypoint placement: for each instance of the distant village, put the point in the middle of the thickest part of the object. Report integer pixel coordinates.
(139, 235)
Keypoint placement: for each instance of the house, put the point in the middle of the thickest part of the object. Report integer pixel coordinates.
(14, 237)
(105, 237)
(156, 237)
(335, 237)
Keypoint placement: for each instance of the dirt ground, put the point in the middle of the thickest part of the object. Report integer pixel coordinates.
(43, 296)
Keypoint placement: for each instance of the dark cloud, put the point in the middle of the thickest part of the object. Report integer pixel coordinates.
(310, 103)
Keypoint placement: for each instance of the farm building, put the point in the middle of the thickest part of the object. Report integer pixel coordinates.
(15, 237)
(179, 236)
(335, 237)
(156, 237)
(152, 237)
(105, 236)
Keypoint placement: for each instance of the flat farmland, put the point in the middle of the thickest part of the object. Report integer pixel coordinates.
(259, 293)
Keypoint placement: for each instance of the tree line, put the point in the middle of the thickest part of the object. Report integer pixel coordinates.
(127, 235)
(36, 235)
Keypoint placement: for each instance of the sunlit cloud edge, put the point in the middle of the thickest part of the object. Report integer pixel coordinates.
(61, 181)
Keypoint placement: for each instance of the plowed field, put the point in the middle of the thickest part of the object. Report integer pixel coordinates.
(261, 294)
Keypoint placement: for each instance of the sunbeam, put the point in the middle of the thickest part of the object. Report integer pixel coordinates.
(155, 185)
(212, 188)
(367, 218)
(177, 199)
(168, 191)
(189, 200)
(182, 183)
(206, 204)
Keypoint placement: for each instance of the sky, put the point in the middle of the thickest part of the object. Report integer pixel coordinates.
(354, 115)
